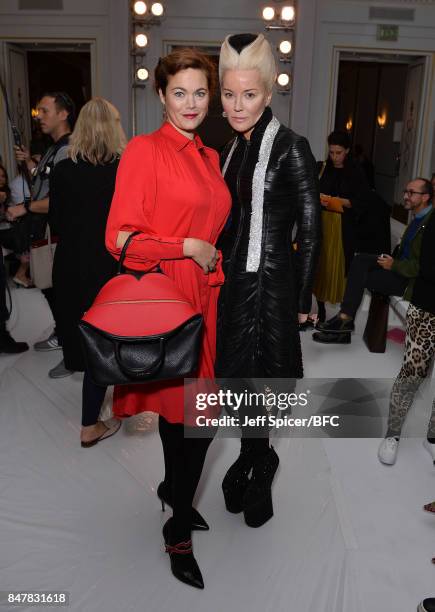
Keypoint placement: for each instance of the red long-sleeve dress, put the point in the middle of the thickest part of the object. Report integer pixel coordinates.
(169, 188)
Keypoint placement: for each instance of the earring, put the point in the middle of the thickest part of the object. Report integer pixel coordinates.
(224, 114)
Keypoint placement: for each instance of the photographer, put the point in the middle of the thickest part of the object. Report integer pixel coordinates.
(56, 116)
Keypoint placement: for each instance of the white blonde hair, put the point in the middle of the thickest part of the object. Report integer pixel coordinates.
(98, 136)
(256, 55)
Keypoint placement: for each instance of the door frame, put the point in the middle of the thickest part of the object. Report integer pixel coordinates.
(6, 137)
(421, 134)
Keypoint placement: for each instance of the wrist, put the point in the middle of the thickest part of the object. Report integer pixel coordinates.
(188, 247)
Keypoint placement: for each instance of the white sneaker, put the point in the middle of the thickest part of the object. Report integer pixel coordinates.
(387, 452)
(430, 448)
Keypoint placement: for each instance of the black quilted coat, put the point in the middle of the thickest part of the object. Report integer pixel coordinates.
(257, 319)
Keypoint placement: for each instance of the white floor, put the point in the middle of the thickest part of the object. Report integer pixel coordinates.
(348, 534)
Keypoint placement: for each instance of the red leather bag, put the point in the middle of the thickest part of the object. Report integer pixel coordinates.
(140, 328)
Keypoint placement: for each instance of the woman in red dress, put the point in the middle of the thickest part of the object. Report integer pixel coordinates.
(169, 187)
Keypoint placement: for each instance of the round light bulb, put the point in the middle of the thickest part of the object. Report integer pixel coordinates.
(285, 47)
(283, 79)
(141, 40)
(142, 74)
(268, 13)
(287, 13)
(157, 9)
(140, 8)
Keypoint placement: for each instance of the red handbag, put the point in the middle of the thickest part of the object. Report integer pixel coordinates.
(140, 328)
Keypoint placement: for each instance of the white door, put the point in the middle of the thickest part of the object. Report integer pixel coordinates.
(411, 141)
(15, 77)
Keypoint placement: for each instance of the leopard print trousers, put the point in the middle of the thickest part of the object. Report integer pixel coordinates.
(419, 352)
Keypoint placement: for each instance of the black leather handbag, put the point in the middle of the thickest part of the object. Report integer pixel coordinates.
(140, 328)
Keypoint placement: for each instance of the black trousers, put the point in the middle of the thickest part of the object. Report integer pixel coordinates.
(92, 401)
(50, 297)
(184, 460)
(365, 273)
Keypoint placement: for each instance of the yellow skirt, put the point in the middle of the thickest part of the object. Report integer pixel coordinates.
(330, 280)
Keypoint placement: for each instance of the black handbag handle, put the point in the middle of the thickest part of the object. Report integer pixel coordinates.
(124, 251)
(141, 372)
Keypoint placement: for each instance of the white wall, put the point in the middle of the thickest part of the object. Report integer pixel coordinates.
(322, 25)
(104, 23)
(196, 22)
(346, 23)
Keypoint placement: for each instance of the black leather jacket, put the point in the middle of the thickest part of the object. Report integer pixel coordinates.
(257, 319)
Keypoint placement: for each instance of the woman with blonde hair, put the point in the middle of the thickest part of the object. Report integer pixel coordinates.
(271, 174)
(81, 190)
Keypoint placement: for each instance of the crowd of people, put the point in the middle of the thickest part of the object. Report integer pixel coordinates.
(222, 229)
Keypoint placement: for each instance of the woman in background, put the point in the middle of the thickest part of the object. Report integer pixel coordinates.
(81, 190)
(344, 194)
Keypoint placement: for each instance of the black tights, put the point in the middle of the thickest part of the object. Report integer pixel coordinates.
(92, 401)
(184, 460)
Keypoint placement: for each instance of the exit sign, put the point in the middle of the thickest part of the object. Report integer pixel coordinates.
(388, 32)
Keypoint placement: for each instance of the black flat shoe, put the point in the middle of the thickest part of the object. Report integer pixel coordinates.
(257, 501)
(198, 522)
(337, 325)
(308, 324)
(332, 338)
(183, 563)
(236, 481)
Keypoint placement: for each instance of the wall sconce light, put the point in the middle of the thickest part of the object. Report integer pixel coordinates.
(142, 74)
(157, 9)
(382, 120)
(283, 83)
(153, 16)
(268, 13)
(285, 48)
(349, 124)
(283, 19)
(143, 17)
(139, 8)
(34, 113)
(140, 42)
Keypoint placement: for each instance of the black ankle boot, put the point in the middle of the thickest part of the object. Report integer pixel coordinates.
(257, 501)
(198, 522)
(183, 563)
(236, 480)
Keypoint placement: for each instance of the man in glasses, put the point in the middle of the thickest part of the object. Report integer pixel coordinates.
(382, 273)
(56, 115)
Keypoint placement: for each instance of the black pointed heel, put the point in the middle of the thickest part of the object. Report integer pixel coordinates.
(236, 481)
(198, 523)
(257, 502)
(183, 564)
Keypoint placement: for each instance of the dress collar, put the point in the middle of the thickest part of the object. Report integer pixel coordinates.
(179, 140)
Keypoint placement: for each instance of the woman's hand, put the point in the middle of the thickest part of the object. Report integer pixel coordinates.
(302, 317)
(202, 252)
(324, 200)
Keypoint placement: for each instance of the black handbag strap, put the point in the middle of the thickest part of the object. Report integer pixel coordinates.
(124, 251)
